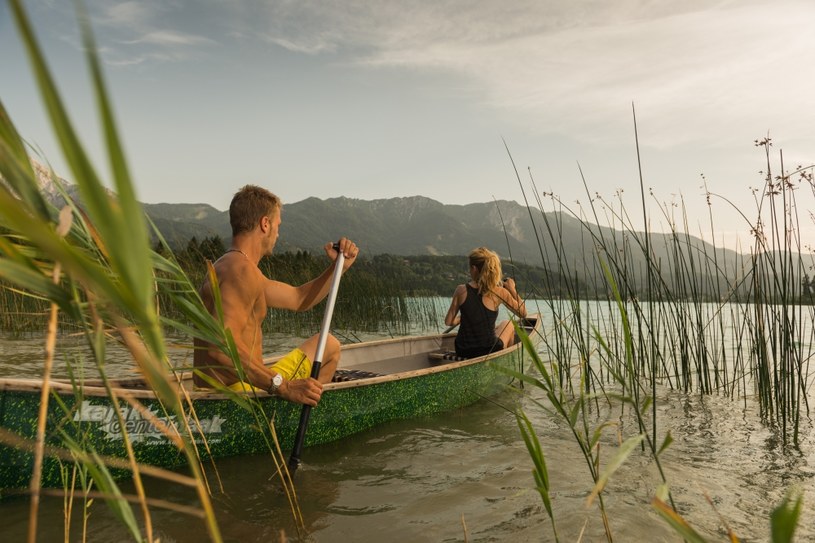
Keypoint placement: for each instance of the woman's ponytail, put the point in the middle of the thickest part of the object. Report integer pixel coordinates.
(489, 269)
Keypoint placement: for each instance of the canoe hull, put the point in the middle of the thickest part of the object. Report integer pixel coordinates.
(223, 427)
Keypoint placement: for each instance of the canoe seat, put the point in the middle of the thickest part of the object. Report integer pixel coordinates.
(341, 376)
(444, 355)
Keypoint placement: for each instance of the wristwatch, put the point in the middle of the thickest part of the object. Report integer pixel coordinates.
(277, 380)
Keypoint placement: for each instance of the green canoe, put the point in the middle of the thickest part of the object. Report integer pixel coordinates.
(379, 381)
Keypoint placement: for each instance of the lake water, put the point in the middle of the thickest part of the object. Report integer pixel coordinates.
(466, 475)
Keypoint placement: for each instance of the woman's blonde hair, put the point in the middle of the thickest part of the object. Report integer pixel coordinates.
(489, 269)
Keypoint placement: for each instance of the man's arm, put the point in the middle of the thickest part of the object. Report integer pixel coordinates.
(283, 296)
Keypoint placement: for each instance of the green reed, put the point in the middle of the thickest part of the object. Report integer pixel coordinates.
(93, 270)
(367, 302)
(682, 313)
(95, 267)
(684, 297)
(21, 312)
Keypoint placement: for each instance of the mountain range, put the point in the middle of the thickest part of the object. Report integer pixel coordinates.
(401, 226)
(418, 225)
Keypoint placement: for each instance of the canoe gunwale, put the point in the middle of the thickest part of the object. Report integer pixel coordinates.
(34, 385)
(125, 387)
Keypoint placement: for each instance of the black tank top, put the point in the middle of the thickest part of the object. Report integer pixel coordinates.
(476, 333)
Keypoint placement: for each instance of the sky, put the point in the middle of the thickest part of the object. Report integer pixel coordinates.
(371, 100)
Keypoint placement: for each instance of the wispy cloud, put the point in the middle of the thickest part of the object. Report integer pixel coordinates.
(168, 38)
(123, 14)
(705, 68)
(711, 70)
(144, 31)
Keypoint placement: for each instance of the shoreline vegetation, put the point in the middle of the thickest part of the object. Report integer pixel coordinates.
(94, 270)
(374, 298)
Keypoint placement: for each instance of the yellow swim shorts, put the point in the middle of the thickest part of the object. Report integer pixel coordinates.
(294, 365)
(241, 386)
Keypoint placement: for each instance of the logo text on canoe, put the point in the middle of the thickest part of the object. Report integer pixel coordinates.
(140, 428)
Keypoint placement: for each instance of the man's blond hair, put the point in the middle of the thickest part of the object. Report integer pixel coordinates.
(249, 205)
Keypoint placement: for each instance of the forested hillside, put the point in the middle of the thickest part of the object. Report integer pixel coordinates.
(416, 275)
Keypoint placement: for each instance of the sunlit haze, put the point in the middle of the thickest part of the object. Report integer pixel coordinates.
(376, 100)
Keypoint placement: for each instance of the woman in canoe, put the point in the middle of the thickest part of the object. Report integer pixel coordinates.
(475, 307)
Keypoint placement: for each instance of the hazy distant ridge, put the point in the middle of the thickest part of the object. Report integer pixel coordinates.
(404, 226)
(418, 225)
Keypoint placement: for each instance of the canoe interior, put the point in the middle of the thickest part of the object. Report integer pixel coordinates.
(395, 357)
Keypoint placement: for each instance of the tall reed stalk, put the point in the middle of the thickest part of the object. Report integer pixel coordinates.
(681, 312)
(96, 267)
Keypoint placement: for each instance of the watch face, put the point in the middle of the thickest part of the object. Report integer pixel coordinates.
(277, 380)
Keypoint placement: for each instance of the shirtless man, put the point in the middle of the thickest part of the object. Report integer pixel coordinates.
(247, 295)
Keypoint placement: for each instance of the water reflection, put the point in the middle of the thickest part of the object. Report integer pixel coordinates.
(468, 472)
(722, 450)
(23, 357)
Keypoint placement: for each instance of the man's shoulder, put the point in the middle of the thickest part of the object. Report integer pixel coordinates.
(236, 267)
(242, 275)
